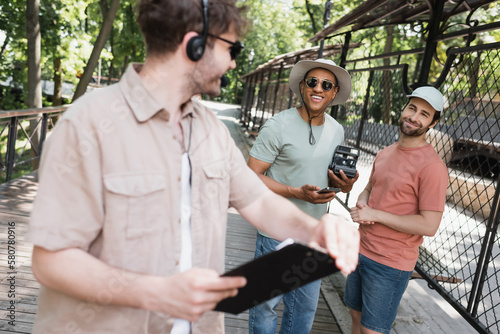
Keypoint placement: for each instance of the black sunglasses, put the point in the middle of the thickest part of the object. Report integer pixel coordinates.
(312, 82)
(235, 48)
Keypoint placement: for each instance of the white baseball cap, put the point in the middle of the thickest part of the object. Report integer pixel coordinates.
(300, 69)
(429, 94)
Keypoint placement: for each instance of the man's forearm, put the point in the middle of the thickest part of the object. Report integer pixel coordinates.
(80, 275)
(426, 223)
(279, 188)
(364, 196)
(185, 295)
(279, 218)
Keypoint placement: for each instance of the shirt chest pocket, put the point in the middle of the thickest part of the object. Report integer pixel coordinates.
(135, 202)
(215, 188)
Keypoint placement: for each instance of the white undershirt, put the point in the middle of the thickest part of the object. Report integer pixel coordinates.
(183, 326)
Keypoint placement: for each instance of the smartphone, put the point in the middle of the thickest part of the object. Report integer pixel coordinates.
(328, 190)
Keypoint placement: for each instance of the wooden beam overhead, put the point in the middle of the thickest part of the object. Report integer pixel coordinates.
(350, 18)
(375, 13)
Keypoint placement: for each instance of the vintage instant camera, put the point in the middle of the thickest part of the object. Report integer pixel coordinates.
(345, 159)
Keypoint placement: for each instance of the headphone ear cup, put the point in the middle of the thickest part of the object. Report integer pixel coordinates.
(195, 48)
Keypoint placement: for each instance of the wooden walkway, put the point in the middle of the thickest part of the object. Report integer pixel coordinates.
(16, 198)
(422, 310)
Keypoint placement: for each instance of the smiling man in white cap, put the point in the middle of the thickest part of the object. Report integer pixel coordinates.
(403, 201)
(291, 155)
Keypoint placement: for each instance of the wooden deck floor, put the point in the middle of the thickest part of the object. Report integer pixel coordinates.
(422, 310)
(16, 200)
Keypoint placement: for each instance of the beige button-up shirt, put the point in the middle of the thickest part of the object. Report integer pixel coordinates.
(110, 185)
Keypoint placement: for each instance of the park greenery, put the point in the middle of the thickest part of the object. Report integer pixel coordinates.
(83, 44)
(91, 42)
(69, 31)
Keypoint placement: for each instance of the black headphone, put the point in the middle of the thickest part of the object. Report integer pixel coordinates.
(196, 45)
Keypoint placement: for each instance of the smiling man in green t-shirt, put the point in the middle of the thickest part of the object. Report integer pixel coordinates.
(291, 155)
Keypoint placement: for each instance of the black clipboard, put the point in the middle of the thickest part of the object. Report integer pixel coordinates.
(273, 274)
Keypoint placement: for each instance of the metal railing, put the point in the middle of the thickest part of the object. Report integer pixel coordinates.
(22, 134)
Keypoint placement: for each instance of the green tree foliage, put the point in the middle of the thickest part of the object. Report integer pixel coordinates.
(63, 36)
(278, 27)
(13, 49)
(69, 30)
(273, 31)
(127, 44)
(311, 13)
(108, 14)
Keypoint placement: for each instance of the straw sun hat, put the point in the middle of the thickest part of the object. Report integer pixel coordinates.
(343, 78)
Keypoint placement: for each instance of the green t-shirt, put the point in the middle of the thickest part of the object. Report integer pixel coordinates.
(283, 142)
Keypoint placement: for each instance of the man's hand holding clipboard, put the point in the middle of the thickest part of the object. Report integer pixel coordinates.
(293, 265)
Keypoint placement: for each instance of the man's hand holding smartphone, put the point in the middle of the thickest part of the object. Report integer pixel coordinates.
(328, 190)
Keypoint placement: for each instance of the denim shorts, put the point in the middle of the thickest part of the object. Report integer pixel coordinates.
(376, 290)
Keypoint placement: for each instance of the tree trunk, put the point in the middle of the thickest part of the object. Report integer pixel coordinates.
(418, 66)
(125, 64)
(111, 73)
(311, 16)
(104, 7)
(34, 72)
(57, 99)
(4, 46)
(99, 63)
(313, 21)
(387, 80)
(474, 72)
(107, 25)
(57, 96)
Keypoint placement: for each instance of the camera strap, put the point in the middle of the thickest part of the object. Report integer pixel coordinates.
(312, 140)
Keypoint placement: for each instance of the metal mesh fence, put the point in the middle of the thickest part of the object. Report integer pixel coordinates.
(370, 116)
(467, 243)
(462, 261)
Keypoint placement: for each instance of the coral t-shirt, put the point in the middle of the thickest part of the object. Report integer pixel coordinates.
(404, 182)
